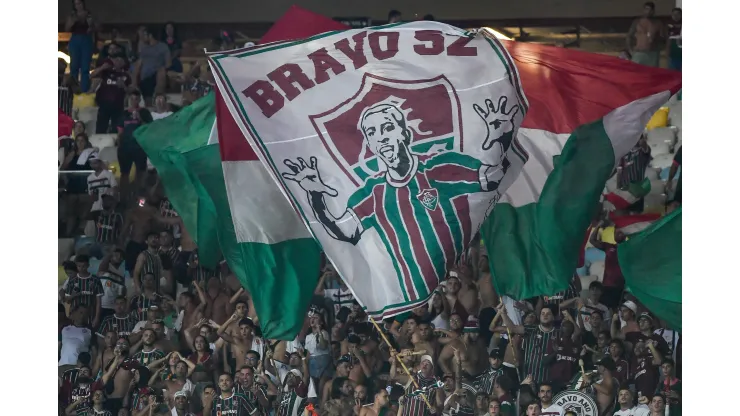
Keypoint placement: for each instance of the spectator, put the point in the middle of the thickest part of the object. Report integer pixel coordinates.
(78, 202)
(670, 387)
(101, 182)
(536, 339)
(68, 86)
(631, 170)
(645, 363)
(394, 16)
(622, 368)
(161, 107)
(74, 339)
(613, 281)
(673, 45)
(111, 95)
(173, 42)
(647, 32)
(150, 71)
(627, 404)
(548, 407)
(672, 174)
(129, 151)
(80, 23)
(593, 304)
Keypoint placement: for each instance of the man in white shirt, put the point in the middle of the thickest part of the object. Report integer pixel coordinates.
(548, 407)
(101, 182)
(161, 107)
(627, 406)
(75, 338)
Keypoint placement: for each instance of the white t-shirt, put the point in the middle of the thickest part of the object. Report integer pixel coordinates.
(553, 410)
(671, 337)
(74, 341)
(111, 289)
(639, 410)
(99, 185)
(312, 344)
(284, 369)
(157, 116)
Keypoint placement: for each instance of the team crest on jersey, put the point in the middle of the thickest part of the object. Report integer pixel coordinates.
(580, 403)
(428, 198)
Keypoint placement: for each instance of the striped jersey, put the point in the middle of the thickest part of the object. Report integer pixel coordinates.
(571, 292)
(153, 265)
(251, 397)
(65, 96)
(88, 288)
(92, 412)
(140, 305)
(99, 185)
(633, 166)
(293, 402)
(535, 347)
(121, 326)
(108, 226)
(171, 253)
(484, 382)
(423, 218)
(415, 405)
(147, 357)
(236, 405)
(168, 211)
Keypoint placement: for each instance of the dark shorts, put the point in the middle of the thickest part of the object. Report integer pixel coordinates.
(133, 249)
(131, 153)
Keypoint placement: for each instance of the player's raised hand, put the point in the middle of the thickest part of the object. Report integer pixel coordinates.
(499, 121)
(307, 176)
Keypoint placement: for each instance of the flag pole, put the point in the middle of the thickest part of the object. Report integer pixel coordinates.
(408, 373)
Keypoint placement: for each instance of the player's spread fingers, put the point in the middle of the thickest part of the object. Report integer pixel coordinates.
(314, 162)
(302, 162)
(290, 164)
(480, 111)
(502, 101)
(491, 108)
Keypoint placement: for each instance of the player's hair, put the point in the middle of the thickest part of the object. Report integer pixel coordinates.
(246, 321)
(598, 312)
(669, 361)
(152, 234)
(82, 258)
(393, 13)
(607, 334)
(395, 113)
(241, 301)
(504, 382)
(255, 353)
(596, 285)
(546, 383)
(336, 386)
(84, 359)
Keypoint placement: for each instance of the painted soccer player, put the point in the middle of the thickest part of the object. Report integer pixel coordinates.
(418, 204)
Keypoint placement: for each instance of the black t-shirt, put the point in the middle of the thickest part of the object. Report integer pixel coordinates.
(129, 122)
(109, 92)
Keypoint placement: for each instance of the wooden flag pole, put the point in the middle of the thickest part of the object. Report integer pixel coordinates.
(416, 384)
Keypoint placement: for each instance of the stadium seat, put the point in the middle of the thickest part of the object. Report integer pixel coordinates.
(101, 141)
(662, 135)
(585, 281)
(87, 114)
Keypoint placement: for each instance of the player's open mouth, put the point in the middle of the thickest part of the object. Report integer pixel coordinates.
(387, 151)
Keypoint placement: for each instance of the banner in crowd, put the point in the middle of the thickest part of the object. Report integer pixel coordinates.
(651, 265)
(393, 143)
(586, 111)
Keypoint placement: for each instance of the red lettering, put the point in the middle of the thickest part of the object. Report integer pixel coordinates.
(391, 45)
(435, 37)
(267, 98)
(322, 63)
(288, 74)
(459, 48)
(356, 55)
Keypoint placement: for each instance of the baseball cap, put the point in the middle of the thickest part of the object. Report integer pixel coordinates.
(427, 358)
(181, 393)
(645, 315)
(496, 353)
(607, 363)
(630, 305)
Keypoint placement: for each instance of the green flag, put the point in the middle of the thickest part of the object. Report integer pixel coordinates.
(280, 276)
(651, 264)
(170, 144)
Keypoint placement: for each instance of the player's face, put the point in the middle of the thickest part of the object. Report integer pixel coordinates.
(245, 330)
(225, 383)
(343, 369)
(347, 388)
(149, 337)
(384, 137)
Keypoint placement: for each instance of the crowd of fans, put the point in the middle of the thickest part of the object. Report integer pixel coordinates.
(144, 329)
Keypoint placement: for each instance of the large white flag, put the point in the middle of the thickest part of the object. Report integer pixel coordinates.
(393, 143)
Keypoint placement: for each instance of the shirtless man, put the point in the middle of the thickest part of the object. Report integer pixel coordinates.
(149, 261)
(468, 293)
(122, 377)
(380, 405)
(241, 342)
(648, 34)
(606, 388)
(192, 313)
(344, 367)
(218, 307)
(183, 370)
(473, 353)
(163, 343)
(105, 350)
(424, 341)
(139, 221)
(453, 286)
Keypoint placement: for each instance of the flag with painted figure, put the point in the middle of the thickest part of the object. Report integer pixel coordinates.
(586, 112)
(393, 143)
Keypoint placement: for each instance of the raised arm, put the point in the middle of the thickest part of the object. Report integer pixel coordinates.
(515, 329)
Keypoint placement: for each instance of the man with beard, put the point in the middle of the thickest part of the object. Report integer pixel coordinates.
(536, 339)
(496, 370)
(606, 388)
(380, 405)
(341, 402)
(548, 407)
(563, 353)
(455, 331)
(343, 369)
(425, 342)
(148, 298)
(254, 392)
(227, 402)
(182, 405)
(428, 382)
(148, 353)
(148, 261)
(627, 404)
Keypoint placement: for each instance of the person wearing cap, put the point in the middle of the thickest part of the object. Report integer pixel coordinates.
(606, 388)
(627, 406)
(645, 322)
(496, 369)
(628, 312)
(182, 404)
(414, 403)
(293, 397)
